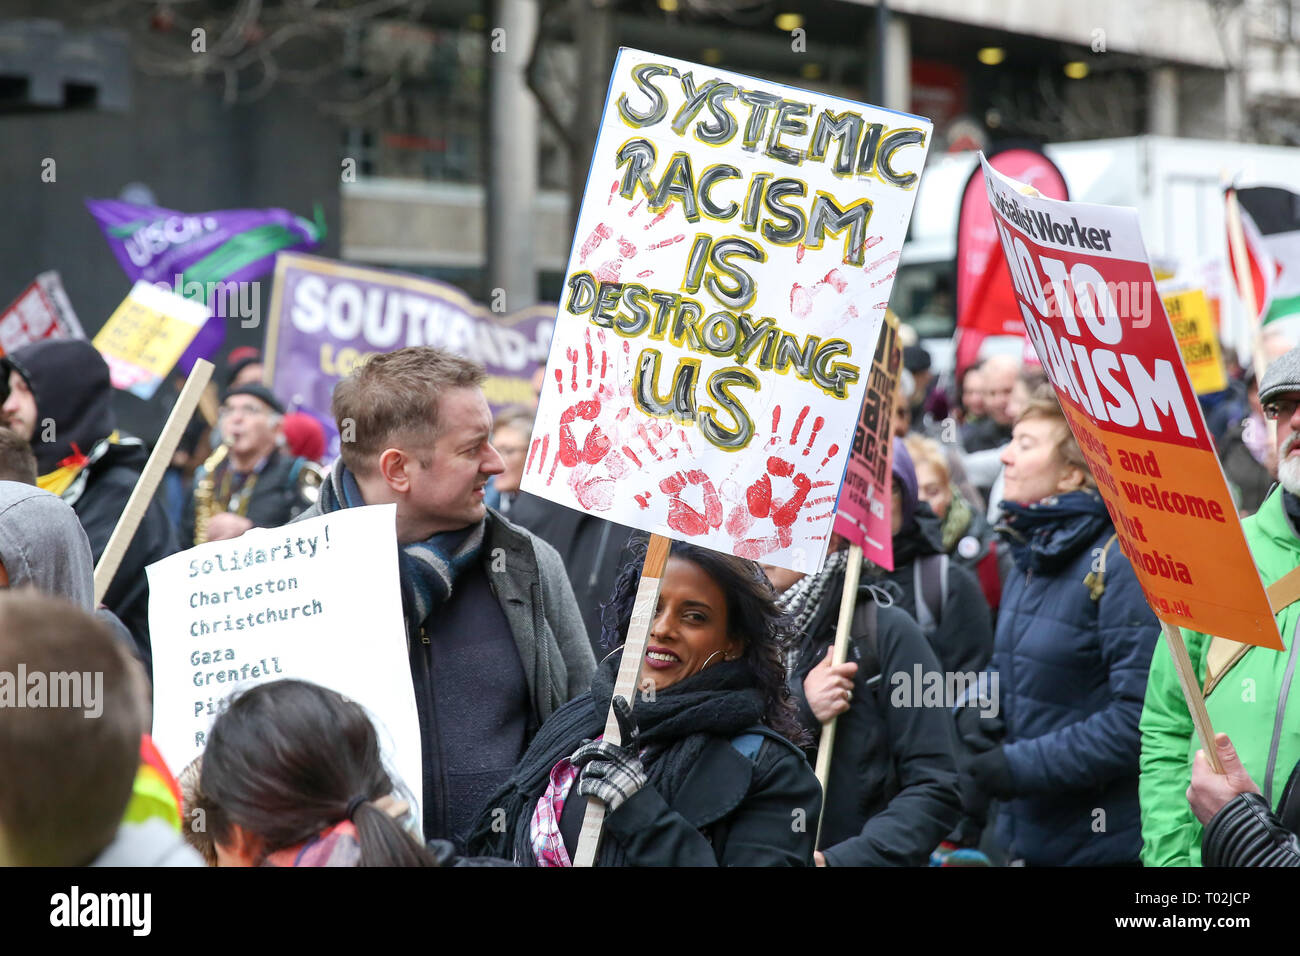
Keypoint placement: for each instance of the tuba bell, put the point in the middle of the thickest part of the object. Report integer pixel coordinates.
(310, 477)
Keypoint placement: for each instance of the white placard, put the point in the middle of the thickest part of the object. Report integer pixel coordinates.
(725, 290)
(317, 600)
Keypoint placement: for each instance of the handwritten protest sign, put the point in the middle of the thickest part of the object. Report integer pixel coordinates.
(145, 336)
(864, 512)
(41, 311)
(1084, 287)
(1193, 323)
(317, 600)
(328, 317)
(726, 286)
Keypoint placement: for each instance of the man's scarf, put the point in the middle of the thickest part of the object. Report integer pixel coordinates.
(428, 568)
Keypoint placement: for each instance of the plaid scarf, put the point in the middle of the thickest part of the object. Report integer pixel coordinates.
(719, 701)
(802, 599)
(428, 568)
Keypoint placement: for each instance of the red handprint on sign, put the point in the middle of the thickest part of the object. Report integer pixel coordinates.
(764, 521)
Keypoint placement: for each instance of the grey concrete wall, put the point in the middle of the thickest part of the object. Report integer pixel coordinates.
(195, 154)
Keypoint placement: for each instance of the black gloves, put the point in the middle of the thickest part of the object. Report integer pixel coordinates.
(611, 773)
(983, 776)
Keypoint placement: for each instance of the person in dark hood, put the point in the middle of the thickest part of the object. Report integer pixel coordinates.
(942, 596)
(60, 400)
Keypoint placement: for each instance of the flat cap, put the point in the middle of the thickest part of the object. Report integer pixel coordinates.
(1281, 377)
(260, 392)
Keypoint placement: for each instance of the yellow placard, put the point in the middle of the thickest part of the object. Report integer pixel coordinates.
(146, 335)
(1189, 312)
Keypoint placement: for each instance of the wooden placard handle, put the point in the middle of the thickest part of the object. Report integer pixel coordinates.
(627, 681)
(1192, 693)
(852, 573)
(150, 478)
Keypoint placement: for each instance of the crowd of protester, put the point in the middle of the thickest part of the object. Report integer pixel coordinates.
(1005, 700)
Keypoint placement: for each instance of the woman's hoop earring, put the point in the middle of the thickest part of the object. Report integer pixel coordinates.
(711, 657)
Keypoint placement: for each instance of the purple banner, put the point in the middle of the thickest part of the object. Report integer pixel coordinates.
(327, 317)
(203, 256)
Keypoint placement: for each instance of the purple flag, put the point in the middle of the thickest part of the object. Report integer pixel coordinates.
(327, 317)
(203, 256)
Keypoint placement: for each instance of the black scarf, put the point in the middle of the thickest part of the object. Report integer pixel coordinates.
(1045, 536)
(723, 700)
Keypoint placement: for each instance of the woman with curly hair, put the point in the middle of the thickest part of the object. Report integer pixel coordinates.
(708, 775)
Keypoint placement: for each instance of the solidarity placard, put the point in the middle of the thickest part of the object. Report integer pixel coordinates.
(1085, 290)
(727, 283)
(317, 600)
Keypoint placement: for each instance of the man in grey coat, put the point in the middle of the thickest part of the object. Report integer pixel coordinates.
(496, 638)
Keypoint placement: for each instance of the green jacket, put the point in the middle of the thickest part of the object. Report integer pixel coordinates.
(1254, 704)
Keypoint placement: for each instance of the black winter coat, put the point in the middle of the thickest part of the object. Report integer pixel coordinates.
(593, 551)
(730, 811)
(892, 795)
(99, 503)
(275, 500)
(963, 639)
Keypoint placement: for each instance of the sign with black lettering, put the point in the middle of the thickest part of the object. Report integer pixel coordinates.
(317, 600)
(726, 287)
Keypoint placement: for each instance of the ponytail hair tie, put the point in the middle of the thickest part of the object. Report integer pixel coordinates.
(353, 805)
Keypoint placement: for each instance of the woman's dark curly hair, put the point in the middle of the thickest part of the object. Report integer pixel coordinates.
(753, 618)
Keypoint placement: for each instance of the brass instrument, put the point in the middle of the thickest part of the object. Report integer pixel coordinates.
(310, 477)
(204, 492)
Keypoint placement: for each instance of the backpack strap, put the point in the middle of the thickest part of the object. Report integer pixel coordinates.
(865, 635)
(748, 743)
(930, 584)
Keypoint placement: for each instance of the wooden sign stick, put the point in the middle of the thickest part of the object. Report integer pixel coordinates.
(852, 572)
(628, 680)
(154, 468)
(1192, 693)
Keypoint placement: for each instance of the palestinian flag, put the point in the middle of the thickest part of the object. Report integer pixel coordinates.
(1270, 219)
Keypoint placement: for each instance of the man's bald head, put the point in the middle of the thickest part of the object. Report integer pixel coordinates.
(1000, 374)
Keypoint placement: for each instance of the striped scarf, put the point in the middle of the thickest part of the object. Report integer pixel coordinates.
(428, 568)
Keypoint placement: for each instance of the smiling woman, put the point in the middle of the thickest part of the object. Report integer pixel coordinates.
(705, 776)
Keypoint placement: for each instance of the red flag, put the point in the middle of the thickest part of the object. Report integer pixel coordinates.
(986, 301)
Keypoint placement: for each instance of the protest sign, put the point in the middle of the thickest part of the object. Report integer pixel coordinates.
(1189, 311)
(864, 512)
(144, 337)
(328, 317)
(317, 600)
(1086, 293)
(41, 311)
(210, 257)
(728, 279)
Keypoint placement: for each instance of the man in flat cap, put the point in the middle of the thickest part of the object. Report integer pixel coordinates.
(1249, 691)
(249, 481)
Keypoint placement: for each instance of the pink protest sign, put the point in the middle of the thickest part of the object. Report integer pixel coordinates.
(863, 513)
